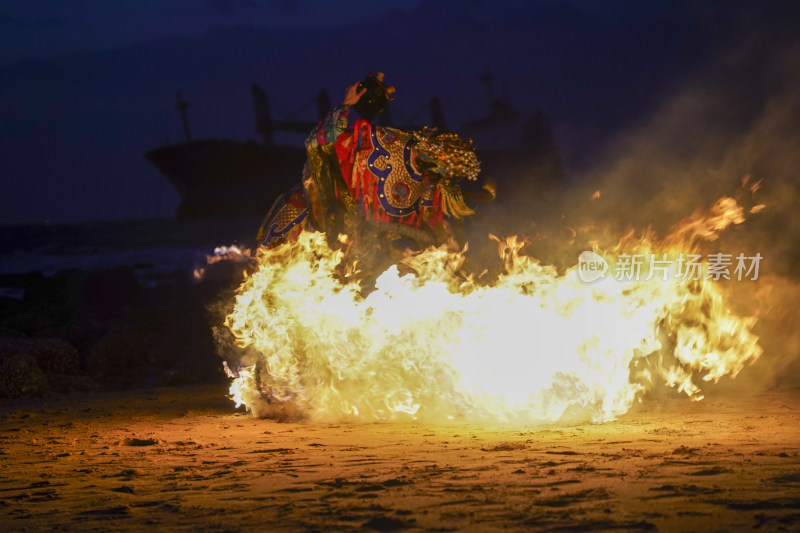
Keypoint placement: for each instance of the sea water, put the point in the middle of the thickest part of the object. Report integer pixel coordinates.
(154, 249)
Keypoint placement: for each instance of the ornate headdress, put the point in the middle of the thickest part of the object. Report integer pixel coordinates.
(451, 156)
(375, 98)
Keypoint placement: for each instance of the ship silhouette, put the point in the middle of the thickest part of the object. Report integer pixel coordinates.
(233, 178)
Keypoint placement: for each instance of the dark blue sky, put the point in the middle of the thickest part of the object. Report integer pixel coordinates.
(87, 87)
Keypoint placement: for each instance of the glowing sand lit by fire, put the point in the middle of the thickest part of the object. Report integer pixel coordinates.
(533, 345)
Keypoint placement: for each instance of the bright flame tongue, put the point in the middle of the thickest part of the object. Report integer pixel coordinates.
(532, 346)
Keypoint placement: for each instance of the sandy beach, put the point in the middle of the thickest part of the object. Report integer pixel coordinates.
(183, 458)
(213, 210)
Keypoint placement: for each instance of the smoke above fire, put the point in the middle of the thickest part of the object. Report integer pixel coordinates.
(732, 128)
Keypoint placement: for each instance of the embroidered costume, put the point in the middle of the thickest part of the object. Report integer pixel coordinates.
(375, 183)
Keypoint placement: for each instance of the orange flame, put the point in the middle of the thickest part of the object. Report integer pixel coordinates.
(534, 345)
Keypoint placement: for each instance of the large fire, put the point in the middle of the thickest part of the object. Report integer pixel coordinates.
(534, 344)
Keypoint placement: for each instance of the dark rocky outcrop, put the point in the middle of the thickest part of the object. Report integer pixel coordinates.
(81, 330)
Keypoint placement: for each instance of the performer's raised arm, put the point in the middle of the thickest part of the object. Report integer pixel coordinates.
(354, 94)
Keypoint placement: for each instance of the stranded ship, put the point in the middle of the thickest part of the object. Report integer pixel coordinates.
(232, 178)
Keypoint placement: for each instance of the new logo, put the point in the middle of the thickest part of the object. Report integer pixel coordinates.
(591, 267)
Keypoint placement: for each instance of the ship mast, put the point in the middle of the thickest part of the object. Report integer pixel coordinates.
(264, 124)
(487, 78)
(323, 104)
(437, 114)
(182, 107)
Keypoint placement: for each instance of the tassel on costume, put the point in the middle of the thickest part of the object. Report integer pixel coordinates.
(453, 204)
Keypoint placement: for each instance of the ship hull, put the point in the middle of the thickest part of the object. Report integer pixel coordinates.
(225, 178)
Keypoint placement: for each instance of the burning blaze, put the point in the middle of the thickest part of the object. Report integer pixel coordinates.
(534, 344)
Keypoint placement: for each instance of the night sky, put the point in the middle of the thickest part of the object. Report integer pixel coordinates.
(87, 87)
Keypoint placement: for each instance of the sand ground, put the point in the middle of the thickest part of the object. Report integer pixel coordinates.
(185, 459)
